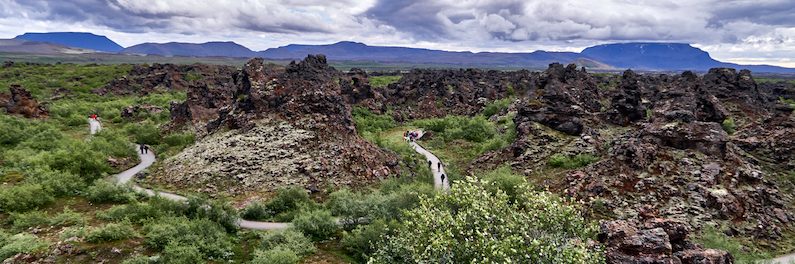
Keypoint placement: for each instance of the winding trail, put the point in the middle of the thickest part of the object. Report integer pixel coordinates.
(147, 159)
(438, 183)
(785, 259)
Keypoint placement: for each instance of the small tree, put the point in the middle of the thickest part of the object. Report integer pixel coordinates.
(473, 224)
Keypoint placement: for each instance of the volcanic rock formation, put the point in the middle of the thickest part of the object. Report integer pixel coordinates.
(20, 102)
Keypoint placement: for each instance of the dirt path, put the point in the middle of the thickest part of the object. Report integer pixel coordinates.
(786, 259)
(148, 159)
(438, 183)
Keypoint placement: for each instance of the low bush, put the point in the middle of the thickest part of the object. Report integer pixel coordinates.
(275, 256)
(317, 224)
(729, 126)
(287, 239)
(208, 237)
(176, 253)
(713, 237)
(21, 243)
(59, 183)
(282, 207)
(29, 219)
(539, 227)
(141, 260)
(503, 179)
(67, 218)
(383, 81)
(75, 231)
(476, 129)
(496, 106)
(368, 122)
(362, 241)
(103, 191)
(111, 232)
(24, 197)
(571, 162)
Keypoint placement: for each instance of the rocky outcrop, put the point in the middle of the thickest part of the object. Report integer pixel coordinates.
(289, 126)
(435, 93)
(20, 102)
(626, 103)
(132, 111)
(143, 79)
(656, 240)
(563, 97)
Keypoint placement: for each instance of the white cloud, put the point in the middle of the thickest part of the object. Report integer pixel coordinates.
(760, 31)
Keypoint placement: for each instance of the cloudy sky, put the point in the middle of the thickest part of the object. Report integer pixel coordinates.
(742, 31)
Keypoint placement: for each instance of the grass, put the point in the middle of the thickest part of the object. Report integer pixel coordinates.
(741, 248)
(571, 162)
(383, 81)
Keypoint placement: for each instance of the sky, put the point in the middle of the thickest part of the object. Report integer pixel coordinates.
(740, 31)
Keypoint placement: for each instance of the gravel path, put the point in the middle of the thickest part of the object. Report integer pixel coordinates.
(147, 159)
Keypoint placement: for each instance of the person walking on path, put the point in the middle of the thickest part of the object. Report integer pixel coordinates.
(146, 148)
(141, 148)
(439, 166)
(442, 178)
(430, 164)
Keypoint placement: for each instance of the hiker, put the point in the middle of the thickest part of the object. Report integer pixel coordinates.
(94, 126)
(430, 163)
(146, 148)
(141, 148)
(439, 166)
(442, 178)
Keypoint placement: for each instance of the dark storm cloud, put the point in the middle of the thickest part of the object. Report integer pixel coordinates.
(136, 17)
(780, 13)
(563, 20)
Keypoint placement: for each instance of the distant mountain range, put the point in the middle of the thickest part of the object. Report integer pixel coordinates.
(74, 39)
(209, 49)
(639, 56)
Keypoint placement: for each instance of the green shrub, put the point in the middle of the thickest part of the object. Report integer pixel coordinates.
(179, 139)
(318, 224)
(58, 183)
(282, 207)
(78, 159)
(75, 231)
(67, 218)
(383, 81)
(368, 122)
(362, 241)
(287, 239)
(144, 133)
(103, 191)
(350, 206)
(450, 128)
(217, 211)
(471, 224)
(140, 260)
(136, 212)
(176, 253)
(573, 162)
(111, 232)
(29, 219)
(728, 125)
(24, 197)
(21, 243)
(503, 179)
(208, 237)
(256, 211)
(496, 107)
(275, 256)
(712, 237)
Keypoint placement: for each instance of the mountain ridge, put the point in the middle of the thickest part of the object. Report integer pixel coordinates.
(83, 40)
(645, 56)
